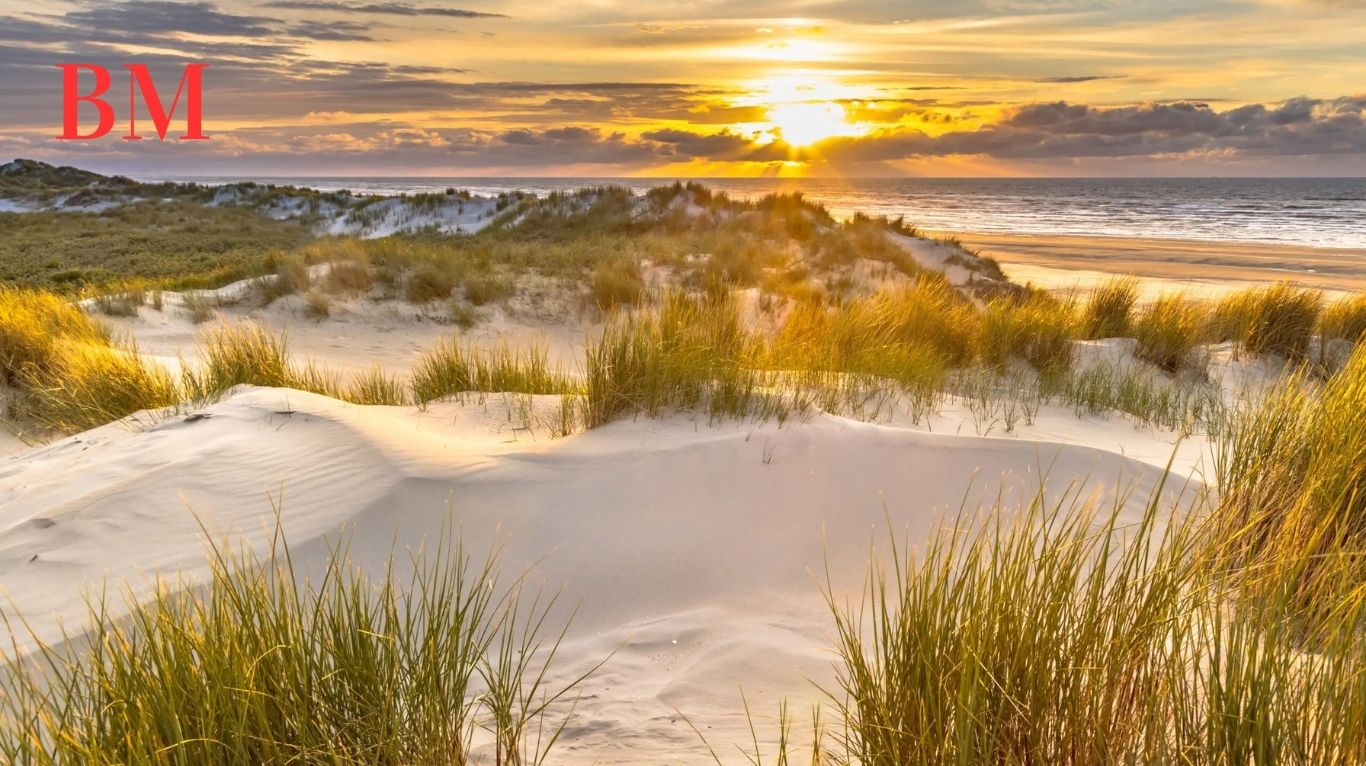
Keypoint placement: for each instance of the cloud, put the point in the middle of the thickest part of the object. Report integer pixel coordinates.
(383, 9)
(162, 16)
(686, 144)
(1077, 78)
(1062, 130)
(331, 30)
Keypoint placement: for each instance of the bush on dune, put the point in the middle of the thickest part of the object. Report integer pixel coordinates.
(451, 368)
(616, 284)
(236, 354)
(429, 282)
(32, 321)
(1063, 633)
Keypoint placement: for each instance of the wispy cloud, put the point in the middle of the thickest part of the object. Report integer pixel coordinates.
(380, 9)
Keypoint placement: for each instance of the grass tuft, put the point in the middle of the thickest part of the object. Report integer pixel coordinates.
(1110, 308)
(265, 665)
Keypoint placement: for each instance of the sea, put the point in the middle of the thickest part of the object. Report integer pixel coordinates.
(1318, 212)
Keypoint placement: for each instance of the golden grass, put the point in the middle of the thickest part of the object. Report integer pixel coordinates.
(1278, 320)
(1169, 329)
(1110, 308)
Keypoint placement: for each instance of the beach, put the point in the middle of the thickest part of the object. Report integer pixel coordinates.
(1205, 268)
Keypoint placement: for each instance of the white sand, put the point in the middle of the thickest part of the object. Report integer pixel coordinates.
(693, 548)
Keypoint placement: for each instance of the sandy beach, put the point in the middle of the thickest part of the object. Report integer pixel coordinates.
(1208, 268)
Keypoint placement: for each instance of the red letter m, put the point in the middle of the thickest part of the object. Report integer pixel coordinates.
(190, 83)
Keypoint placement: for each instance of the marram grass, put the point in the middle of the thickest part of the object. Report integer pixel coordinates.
(260, 665)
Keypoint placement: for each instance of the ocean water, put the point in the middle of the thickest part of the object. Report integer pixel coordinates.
(1319, 212)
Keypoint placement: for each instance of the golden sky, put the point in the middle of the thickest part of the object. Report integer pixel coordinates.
(606, 87)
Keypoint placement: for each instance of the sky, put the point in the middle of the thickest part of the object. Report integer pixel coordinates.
(710, 87)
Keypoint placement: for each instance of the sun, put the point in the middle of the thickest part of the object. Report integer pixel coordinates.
(804, 124)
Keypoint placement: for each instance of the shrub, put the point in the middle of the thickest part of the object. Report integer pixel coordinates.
(31, 322)
(121, 304)
(1071, 632)
(615, 284)
(1292, 479)
(375, 386)
(350, 277)
(1110, 307)
(317, 304)
(429, 282)
(1168, 330)
(463, 315)
(197, 306)
(291, 276)
(450, 369)
(481, 289)
(692, 352)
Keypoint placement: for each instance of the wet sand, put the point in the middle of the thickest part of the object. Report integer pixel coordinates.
(1062, 261)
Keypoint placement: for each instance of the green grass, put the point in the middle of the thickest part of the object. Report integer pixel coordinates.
(616, 285)
(237, 354)
(172, 244)
(451, 369)
(1293, 479)
(1062, 632)
(263, 665)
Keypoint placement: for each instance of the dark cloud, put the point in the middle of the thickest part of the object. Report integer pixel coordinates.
(1076, 78)
(382, 9)
(330, 30)
(1061, 130)
(162, 17)
(689, 145)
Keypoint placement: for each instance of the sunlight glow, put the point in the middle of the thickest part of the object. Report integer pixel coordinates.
(804, 124)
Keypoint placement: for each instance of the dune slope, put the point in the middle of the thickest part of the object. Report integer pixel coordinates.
(697, 552)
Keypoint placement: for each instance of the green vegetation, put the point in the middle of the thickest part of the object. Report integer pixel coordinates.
(173, 244)
(1065, 633)
(266, 666)
(451, 369)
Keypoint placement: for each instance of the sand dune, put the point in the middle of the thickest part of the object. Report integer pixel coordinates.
(695, 549)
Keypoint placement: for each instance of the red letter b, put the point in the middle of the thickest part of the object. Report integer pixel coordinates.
(71, 101)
